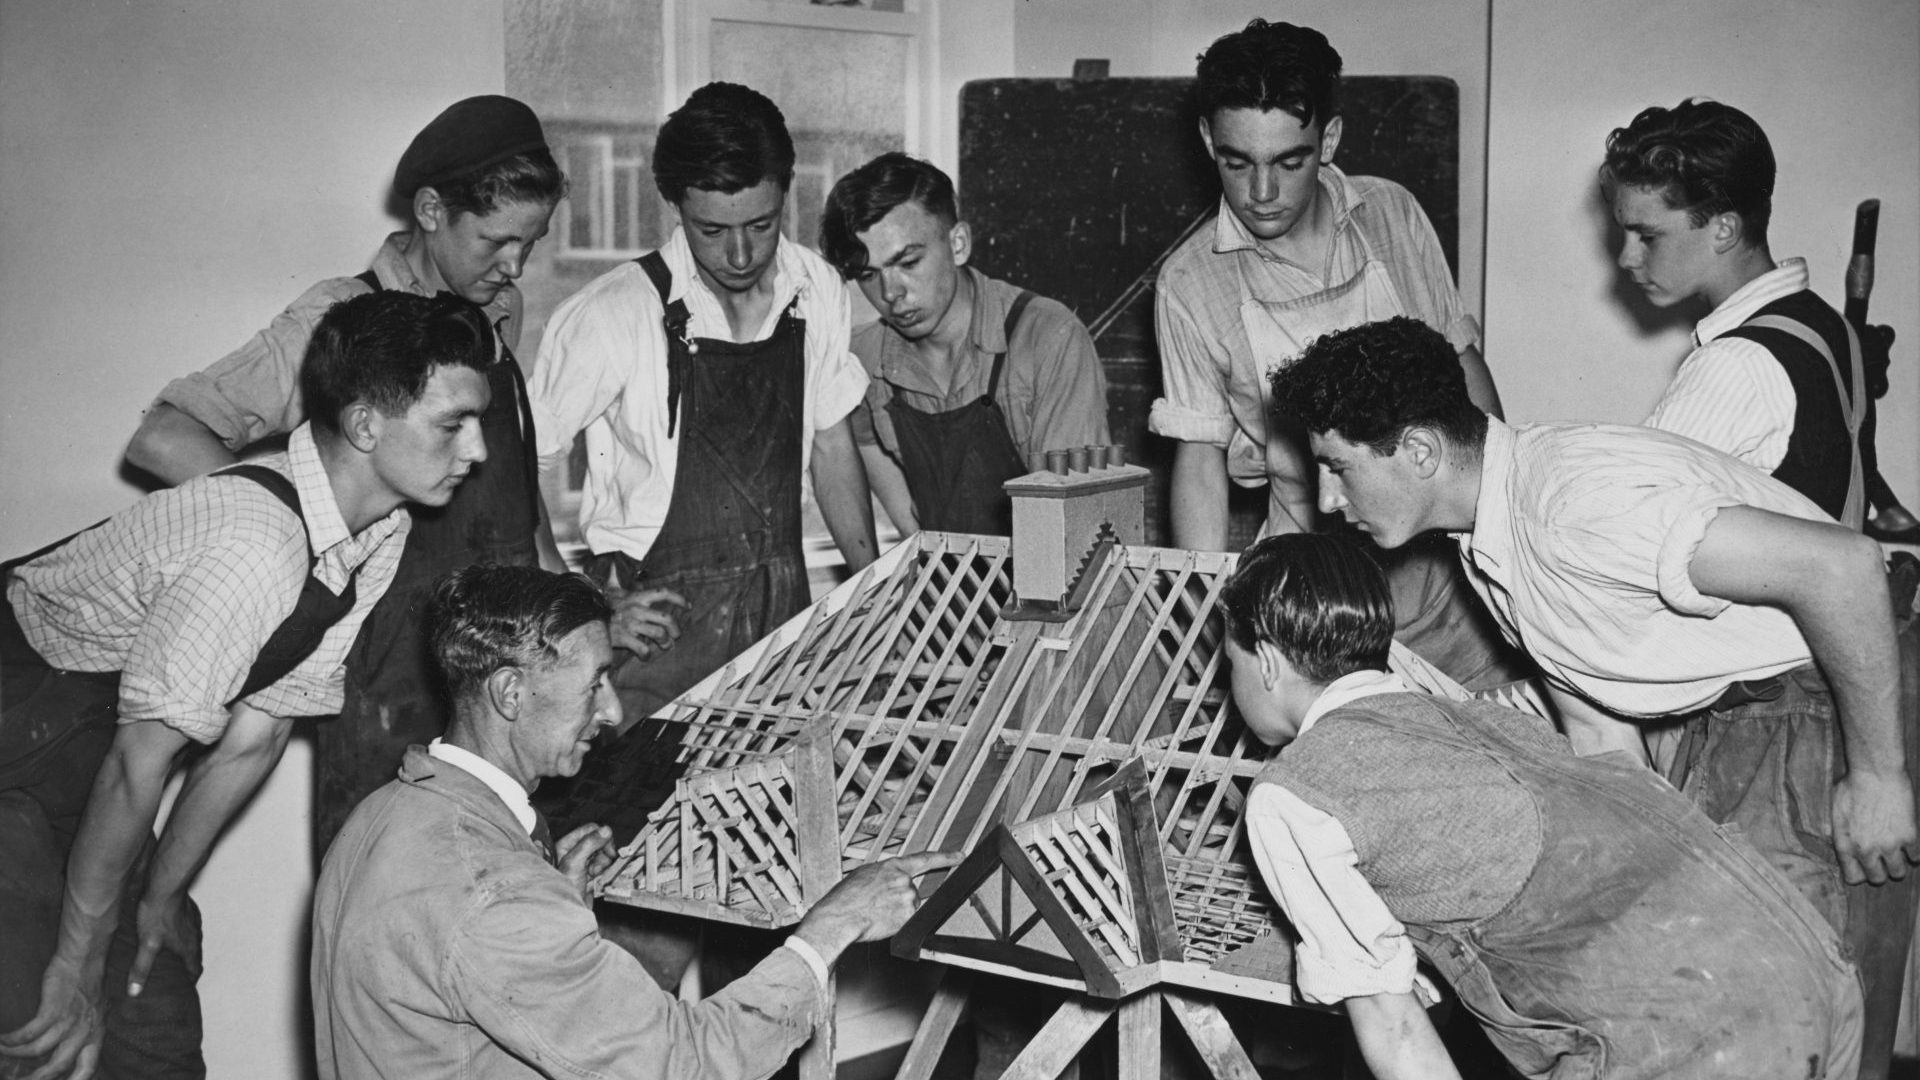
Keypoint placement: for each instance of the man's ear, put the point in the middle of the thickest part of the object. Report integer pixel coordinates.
(503, 691)
(1270, 660)
(361, 424)
(1206, 134)
(429, 213)
(1729, 231)
(961, 239)
(1330, 140)
(1425, 450)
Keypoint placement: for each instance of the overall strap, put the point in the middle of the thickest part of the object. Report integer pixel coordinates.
(370, 279)
(278, 485)
(676, 319)
(1853, 404)
(1017, 309)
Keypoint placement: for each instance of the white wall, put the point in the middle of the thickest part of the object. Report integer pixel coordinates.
(1835, 84)
(171, 175)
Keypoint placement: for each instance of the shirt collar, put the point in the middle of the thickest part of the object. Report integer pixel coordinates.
(326, 528)
(1350, 688)
(788, 281)
(986, 333)
(1783, 280)
(1230, 233)
(1489, 542)
(492, 775)
(390, 268)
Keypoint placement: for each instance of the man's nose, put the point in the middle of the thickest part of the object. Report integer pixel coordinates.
(1266, 184)
(739, 251)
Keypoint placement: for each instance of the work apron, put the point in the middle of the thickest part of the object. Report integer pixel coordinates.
(956, 462)
(1573, 981)
(731, 540)
(394, 698)
(1853, 513)
(56, 727)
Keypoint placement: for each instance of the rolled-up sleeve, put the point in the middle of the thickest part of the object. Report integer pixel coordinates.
(1196, 406)
(1350, 944)
(836, 380)
(254, 391)
(590, 347)
(530, 969)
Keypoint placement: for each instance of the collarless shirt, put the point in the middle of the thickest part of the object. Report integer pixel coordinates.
(511, 793)
(1350, 943)
(254, 392)
(1583, 540)
(1198, 294)
(1053, 390)
(1730, 393)
(179, 592)
(602, 369)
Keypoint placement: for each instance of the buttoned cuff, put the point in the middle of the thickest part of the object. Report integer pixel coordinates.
(814, 961)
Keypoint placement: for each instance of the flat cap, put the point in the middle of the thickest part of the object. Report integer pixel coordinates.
(470, 136)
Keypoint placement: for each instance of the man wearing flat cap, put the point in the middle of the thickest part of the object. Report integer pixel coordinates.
(478, 185)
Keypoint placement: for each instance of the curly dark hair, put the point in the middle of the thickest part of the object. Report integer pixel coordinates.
(382, 348)
(726, 138)
(1704, 157)
(1270, 66)
(1370, 383)
(1318, 598)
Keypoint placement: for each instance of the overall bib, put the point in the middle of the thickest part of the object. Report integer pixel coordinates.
(1628, 953)
(55, 729)
(1433, 614)
(731, 541)
(394, 697)
(956, 461)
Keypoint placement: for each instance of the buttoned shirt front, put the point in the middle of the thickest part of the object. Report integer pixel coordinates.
(1582, 547)
(180, 591)
(1730, 392)
(602, 368)
(254, 391)
(1350, 943)
(1053, 391)
(1197, 310)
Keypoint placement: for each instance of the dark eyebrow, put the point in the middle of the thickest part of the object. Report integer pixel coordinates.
(1234, 152)
(905, 252)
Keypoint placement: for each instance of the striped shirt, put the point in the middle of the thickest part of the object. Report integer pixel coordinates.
(1582, 545)
(1731, 393)
(1215, 386)
(180, 591)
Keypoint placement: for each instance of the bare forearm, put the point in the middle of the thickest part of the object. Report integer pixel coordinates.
(840, 485)
(175, 447)
(1855, 647)
(116, 823)
(890, 484)
(216, 787)
(1480, 387)
(1398, 1040)
(1199, 497)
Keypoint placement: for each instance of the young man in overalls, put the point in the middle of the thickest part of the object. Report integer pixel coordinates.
(477, 186)
(1298, 249)
(1654, 580)
(206, 616)
(1596, 922)
(708, 376)
(972, 377)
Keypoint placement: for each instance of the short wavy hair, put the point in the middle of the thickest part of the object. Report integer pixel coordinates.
(1270, 66)
(862, 197)
(726, 138)
(1317, 598)
(1704, 157)
(530, 177)
(382, 348)
(482, 618)
(1370, 383)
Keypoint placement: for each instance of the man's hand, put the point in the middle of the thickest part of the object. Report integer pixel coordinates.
(165, 923)
(641, 625)
(584, 854)
(871, 903)
(1873, 827)
(67, 1030)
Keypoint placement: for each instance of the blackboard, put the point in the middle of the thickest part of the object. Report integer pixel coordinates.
(1075, 189)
